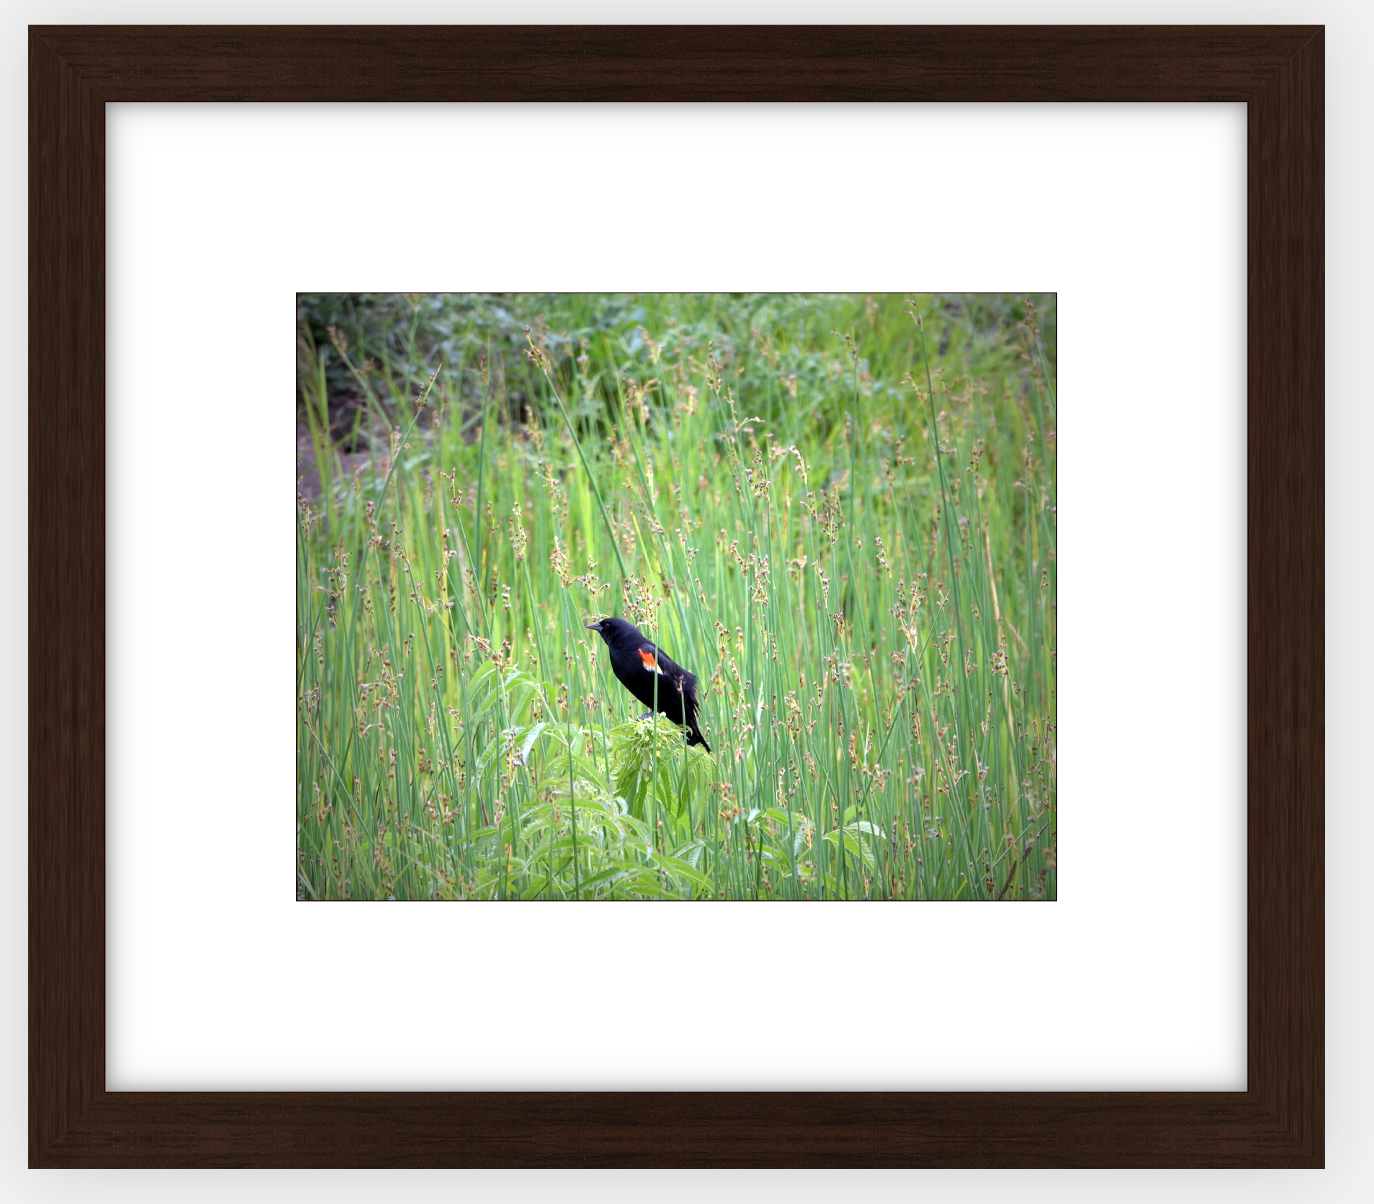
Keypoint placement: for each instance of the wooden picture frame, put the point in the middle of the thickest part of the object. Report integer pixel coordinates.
(1278, 72)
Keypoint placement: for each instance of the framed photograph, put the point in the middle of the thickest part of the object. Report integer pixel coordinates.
(559, 437)
(880, 507)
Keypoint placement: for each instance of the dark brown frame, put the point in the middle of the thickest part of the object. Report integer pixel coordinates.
(75, 1122)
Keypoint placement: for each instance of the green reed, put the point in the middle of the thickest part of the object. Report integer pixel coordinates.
(839, 512)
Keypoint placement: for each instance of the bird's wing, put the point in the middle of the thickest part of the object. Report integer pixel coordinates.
(654, 661)
(690, 684)
(658, 661)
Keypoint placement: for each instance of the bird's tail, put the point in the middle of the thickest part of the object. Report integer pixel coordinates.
(688, 687)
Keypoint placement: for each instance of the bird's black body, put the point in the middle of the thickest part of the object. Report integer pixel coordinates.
(638, 663)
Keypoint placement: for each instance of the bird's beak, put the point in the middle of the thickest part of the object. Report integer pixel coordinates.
(593, 626)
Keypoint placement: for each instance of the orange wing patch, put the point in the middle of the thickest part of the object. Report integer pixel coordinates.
(650, 662)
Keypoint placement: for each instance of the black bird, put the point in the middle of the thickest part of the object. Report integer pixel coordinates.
(637, 662)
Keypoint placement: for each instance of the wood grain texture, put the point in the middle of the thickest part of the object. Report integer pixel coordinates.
(1277, 1121)
(1285, 549)
(665, 1129)
(675, 63)
(66, 597)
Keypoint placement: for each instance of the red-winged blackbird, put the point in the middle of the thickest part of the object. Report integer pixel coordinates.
(637, 663)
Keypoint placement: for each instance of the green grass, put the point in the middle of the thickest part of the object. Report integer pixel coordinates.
(838, 511)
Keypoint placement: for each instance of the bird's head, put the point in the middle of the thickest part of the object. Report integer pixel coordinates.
(609, 629)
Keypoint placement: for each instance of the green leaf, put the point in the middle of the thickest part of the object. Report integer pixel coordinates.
(854, 844)
(529, 742)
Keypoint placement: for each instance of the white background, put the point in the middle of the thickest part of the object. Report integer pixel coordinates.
(1135, 978)
(1348, 825)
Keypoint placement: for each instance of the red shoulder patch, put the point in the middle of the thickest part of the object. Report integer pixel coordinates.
(648, 658)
